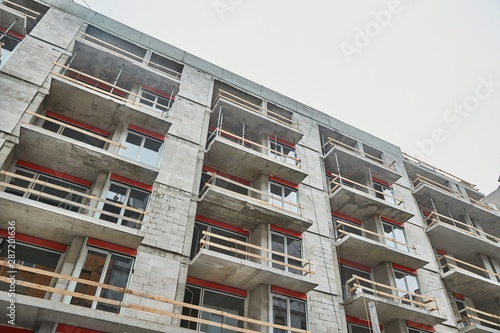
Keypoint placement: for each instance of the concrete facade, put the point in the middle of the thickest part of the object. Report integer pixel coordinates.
(148, 190)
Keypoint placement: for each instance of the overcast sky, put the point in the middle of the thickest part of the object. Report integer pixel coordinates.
(423, 75)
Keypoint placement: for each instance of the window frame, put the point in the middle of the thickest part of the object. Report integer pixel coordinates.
(144, 135)
(279, 146)
(348, 221)
(285, 234)
(282, 201)
(287, 296)
(406, 272)
(394, 225)
(381, 194)
(356, 267)
(14, 38)
(157, 94)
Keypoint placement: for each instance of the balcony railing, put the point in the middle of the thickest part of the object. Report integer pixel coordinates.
(439, 171)
(470, 316)
(84, 207)
(104, 87)
(420, 180)
(220, 133)
(120, 52)
(357, 283)
(435, 217)
(21, 9)
(332, 143)
(337, 181)
(251, 107)
(212, 182)
(206, 241)
(157, 299)
(480, 271)
(341, 232)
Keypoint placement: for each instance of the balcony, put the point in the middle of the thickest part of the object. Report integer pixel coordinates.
(248, 160)
(246, 268)
(450, 235)
(357, 247)
(360, 201)
(16, 18)
(100, 103)
(262, 121)
(477, 321)
(69, 152)
(246, 210)
(357, 161)
(464, 278)
(389, 305)
(158, 307)
(60, 218)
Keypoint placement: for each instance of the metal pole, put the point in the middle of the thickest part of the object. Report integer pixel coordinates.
(6, 31)
(243, 133)
(372, 309)
(116, 81)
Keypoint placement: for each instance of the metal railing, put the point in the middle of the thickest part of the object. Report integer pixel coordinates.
(358, 283)
(434, 217)
(338, 181)
(110, 92)
(206, 241)
(423, 180)
(120, 52)
(249, 106)
(154, 299)
(332, 143)
(212, 182)
(470, 316)
(480, 271)
(26, 9)
(220, 133)
(340, 226)
(84, 207)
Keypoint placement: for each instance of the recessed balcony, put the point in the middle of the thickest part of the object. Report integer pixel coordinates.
(360, 201)
(244, 265)
(248, 160)
(354, 245)
(391, 303)
(477, 321)
(248, 208)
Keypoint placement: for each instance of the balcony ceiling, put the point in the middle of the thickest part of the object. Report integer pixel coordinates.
(8, 15)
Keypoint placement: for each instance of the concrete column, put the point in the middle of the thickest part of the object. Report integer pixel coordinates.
(47, 327)
(70, 259)
(119, 135)
(259, 236)
(258, 307)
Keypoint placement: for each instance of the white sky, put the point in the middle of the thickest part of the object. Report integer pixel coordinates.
(417, 74)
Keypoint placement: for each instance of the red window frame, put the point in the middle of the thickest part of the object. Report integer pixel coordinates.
(111, 247)
(157, 92)
(362, 322)
(131, 182)
(50, 172)
(286, 231)
(347, 218)
(404, 269)
(283, 182)
(226, 175)
(90, 81)
(77, 123)
(419, 326)
(381, 182)
(216, 286)
(283, 142)
(391, 221)
(35, 241)
(288, 292)
(62, 328)
(355, 265)
(146, 132)
(222, 225)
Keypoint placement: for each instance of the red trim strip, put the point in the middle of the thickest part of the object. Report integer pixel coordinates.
(223, 174)
(458, 296)
(112, 247)
(348, 218)
(222, 225)
(54, 173)
(413, 324)
(146, 132)
(283, 142)
(380, 181)
(283, 182)
(106, 87)
(286, 231)
(13, 34)
(216, 286)
(288, 292)
(441, 252)
(131, 182)
(426, 213)
(391, 221)
(61, 328)
(361, 322)
(12, 329)
(355, 265)
(157, 92)
(35, 241)
(404, 269)
(77, 123)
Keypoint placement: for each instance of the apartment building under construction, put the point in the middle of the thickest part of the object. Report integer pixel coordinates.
(143, 189)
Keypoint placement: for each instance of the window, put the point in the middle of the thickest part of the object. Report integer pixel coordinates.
(214, 296)
(288, 310)
(156, 99)
(353, 328)
(288, 245)
(120, 194)
(461, 309)
(28, 253)
(212, 131)
(218, 228)
(71, 133)
(107, 267)
(344, 225)
(413, 327)
(141, 146)
(9, 44)
(383, 190)
(347, 270)
(284, 196)
(282, 151)
(395, 232)
(406, 281)
(210, 175)
(48, 194)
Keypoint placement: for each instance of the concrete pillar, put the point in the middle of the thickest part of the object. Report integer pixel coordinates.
(258, 307)
(118, 135)
(47, 327)
(259, 236)
(69, 259)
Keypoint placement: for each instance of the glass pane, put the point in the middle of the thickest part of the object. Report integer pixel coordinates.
(388, 232)
(163, 104)
(150, 152)
(139, 200)
(291, 197)
(358, 329)
(20, 182)
(347, 273)
(117, 275)
(82, 137)
(197, 235)
(92, 270)
(150, 98)
(192, 295)
(225, 243)
(294, 248)
(289, 152)
(58, 193)
(278, 244)
(133, 144)
(399, 235)
(298, 314)
(279, 313)
(116, 194)
(48, 125)
(222, 302)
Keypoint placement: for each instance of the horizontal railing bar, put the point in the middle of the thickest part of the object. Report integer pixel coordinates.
(78, 129)
(25, 8)
(18, 12)
(466, 264)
